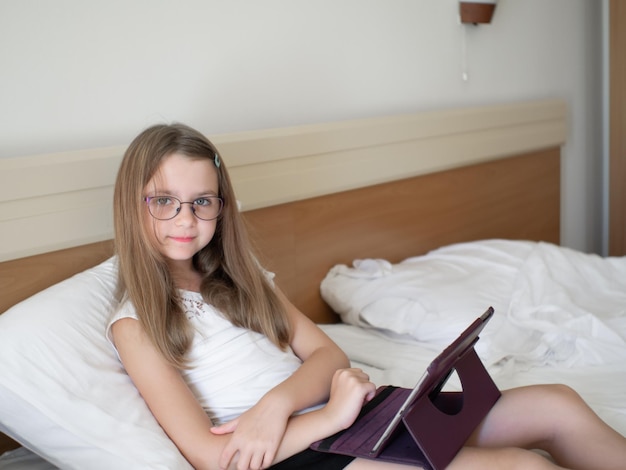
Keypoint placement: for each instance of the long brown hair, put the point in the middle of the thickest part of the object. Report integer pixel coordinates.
(232, 280)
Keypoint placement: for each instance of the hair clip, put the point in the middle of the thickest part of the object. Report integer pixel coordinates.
(217, 161)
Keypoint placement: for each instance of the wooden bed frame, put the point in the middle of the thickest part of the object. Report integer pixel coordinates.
(514, 195)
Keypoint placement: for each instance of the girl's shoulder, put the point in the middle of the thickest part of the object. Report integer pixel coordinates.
(125, 309)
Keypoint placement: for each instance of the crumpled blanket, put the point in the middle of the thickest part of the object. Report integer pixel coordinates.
(553, 304)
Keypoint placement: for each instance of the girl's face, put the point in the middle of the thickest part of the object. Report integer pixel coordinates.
(188, 180)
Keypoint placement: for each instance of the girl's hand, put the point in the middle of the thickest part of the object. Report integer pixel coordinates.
(350, 389)
(256, 435)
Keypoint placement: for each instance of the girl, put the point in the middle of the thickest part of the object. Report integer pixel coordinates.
(234, 373)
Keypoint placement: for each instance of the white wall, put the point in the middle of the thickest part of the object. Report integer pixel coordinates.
(86, 73)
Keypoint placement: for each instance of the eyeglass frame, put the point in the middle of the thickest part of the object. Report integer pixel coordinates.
(147, 200)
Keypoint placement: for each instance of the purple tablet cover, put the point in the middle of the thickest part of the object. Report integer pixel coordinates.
(436, 424)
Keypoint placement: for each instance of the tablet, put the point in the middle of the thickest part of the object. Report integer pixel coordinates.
(436, 374)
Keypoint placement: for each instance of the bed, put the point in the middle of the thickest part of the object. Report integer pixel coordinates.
(392, 233)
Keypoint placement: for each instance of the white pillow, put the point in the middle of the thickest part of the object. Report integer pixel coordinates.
(22, 458)
(63, 392)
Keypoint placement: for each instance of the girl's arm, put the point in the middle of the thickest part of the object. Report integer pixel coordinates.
(259, 431)
(350, 389)
(167, 395)
(321, 358)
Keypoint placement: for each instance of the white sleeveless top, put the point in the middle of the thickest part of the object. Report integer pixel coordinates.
(231, 367)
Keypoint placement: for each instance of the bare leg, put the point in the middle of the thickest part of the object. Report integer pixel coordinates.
(474, 458)
(553, 418)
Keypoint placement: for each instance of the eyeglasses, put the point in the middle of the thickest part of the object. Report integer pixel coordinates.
(168, 207)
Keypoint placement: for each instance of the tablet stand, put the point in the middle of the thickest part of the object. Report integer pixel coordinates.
(441, 424)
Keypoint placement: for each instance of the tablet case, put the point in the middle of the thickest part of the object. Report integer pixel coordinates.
(434, 427)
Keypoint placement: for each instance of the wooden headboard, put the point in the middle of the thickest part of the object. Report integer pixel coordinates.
(515, 198)
(495, 175)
